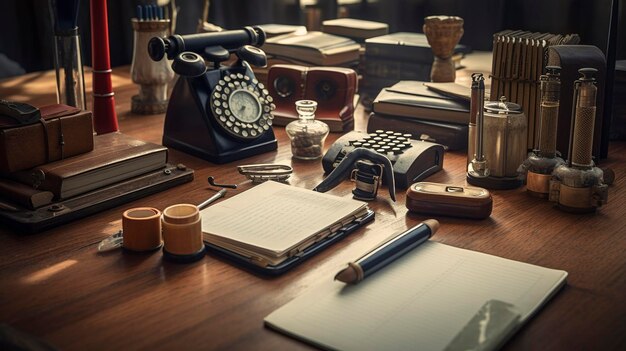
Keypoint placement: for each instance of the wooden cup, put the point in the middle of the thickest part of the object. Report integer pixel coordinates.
(182, 230)
(142, 229)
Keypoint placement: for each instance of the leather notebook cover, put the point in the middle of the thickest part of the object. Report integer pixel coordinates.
(115, 157)
(62, 132)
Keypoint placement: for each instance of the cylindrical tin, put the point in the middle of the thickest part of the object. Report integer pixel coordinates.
(504, 137)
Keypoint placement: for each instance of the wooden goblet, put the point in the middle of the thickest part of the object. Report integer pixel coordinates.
(443, 33)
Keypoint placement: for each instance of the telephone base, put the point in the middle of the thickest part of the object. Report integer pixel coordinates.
(221, 157)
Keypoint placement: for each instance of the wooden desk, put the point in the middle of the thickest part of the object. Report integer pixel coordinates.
(56, 286)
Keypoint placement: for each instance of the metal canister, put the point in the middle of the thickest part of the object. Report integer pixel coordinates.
(505, 141)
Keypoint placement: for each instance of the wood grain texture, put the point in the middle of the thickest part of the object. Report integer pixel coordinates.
(56, 286)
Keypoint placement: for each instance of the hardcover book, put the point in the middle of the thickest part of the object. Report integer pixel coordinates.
(356, 29)
(115, 157)
(314, 47)
(400, 46)
(412, 99)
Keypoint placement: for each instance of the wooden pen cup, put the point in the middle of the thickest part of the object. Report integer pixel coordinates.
(182, 233)
(142, 229)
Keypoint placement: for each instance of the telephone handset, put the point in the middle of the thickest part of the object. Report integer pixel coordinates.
(220, 113)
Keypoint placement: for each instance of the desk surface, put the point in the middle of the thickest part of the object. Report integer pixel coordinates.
(55, 285)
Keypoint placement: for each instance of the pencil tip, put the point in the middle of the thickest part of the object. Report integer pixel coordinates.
(346, 275)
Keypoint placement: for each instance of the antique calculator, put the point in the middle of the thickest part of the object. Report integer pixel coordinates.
(412, 160)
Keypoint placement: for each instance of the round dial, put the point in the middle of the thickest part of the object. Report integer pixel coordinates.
(244, 106)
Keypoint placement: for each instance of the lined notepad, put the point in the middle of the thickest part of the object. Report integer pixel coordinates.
(420, 302)
(272, 219)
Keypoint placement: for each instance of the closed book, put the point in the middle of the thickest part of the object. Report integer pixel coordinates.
(401, 46)
(388, 68)
(115, 157)
(274, 29)
(63, 131)
(413, 100)
(314, 47)
(24, 195)
(356, 29)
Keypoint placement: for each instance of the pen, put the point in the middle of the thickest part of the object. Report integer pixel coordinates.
(212, 199)
(387, 252)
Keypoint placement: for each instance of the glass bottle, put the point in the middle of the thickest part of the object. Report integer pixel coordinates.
(307, 135)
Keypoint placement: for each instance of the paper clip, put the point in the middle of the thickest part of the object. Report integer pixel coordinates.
(111, 242)
(266, 171)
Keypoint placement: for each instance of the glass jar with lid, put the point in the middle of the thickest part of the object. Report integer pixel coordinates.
(307, 134)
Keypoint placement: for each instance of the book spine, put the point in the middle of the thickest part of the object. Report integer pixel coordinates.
(24, 195)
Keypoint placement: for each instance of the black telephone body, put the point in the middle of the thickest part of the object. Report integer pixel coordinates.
(223, 113)
(413, 160)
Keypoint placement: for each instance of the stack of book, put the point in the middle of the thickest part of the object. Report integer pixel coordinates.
(397, 56)
(309, 49)
(114, 158)
(410, 107)
(393, 57)
(315, 48)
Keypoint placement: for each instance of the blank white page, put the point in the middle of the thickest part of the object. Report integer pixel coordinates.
(274, 216)
(419, 302)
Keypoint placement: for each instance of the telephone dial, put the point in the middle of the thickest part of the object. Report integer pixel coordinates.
(222, 113)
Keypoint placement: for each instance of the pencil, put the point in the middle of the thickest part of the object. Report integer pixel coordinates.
(387, 252)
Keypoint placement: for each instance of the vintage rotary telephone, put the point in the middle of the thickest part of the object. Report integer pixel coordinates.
(221, 113)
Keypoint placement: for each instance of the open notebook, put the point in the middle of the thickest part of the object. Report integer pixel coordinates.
(419, 302)
(272, 222)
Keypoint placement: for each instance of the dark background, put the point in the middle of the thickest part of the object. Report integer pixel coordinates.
(26, 36)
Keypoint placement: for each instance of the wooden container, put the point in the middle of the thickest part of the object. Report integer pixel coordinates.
(182, 233)
(142, 229)
(449, 200)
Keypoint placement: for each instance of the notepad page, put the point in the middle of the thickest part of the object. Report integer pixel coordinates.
(274, 216)
(419, 302)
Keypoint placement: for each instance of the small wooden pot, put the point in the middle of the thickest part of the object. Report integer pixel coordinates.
(182, 233)
(142, 229)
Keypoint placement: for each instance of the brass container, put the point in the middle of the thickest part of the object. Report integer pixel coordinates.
(504, 137)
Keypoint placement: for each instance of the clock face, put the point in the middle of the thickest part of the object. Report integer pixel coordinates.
(242, 106)
(245, 106)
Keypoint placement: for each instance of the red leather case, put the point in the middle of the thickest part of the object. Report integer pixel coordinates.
(63, 131)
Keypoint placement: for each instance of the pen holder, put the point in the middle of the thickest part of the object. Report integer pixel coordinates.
(142, 229)
(151, 76)
(182, 233)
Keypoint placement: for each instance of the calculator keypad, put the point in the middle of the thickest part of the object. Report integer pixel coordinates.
(386, 142)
